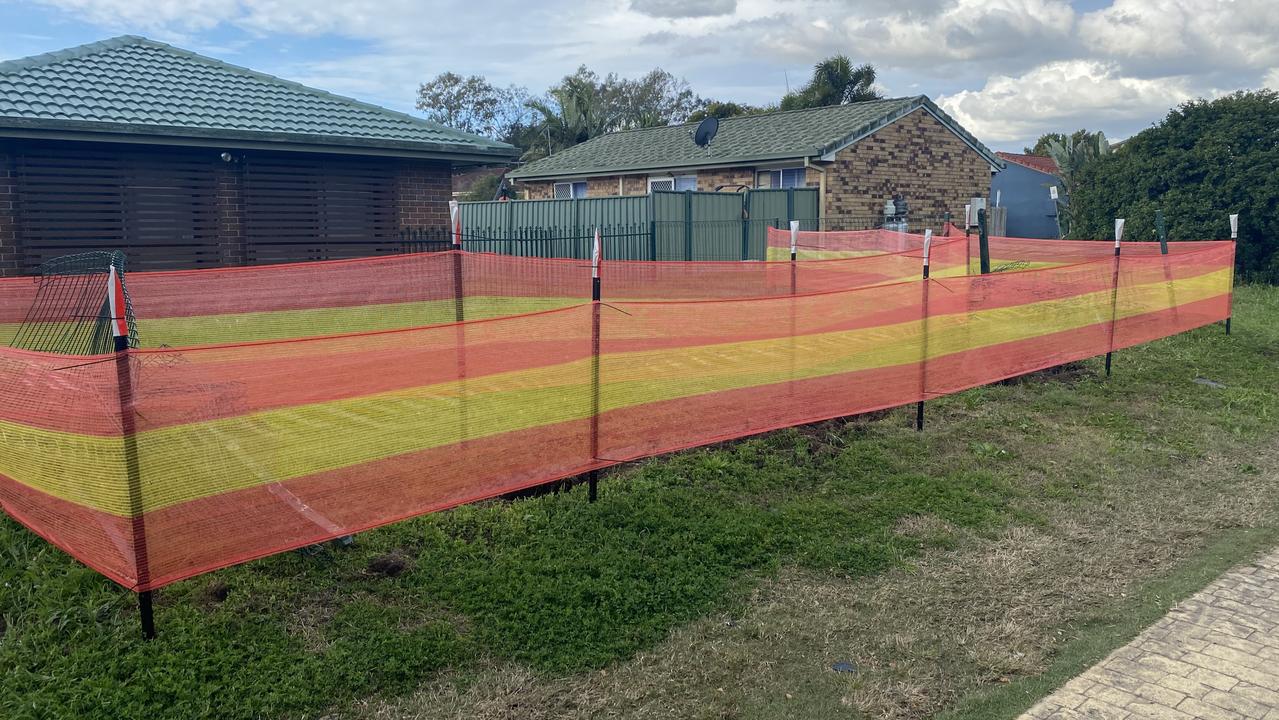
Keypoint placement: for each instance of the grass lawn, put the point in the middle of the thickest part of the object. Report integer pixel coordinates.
(1032, 527)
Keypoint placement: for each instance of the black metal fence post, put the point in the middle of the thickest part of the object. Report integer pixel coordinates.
(118, 309)
(923, 355)
(983, 241)
(597, 252)
(1114, 295)
(1234, 238)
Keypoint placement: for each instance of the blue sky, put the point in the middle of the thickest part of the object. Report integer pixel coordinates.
(1007, 69)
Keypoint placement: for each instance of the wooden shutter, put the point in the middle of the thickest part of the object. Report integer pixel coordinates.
(299, 207)
(155, 204)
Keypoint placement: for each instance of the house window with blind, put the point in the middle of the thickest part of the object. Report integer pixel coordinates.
(678, 183)
(784, 178)
(570, 190)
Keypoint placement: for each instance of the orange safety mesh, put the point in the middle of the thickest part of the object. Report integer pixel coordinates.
(828, 244)
(160, 464)
(206, 307)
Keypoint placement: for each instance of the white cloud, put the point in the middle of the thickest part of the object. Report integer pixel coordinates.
(997, 63)
(684, 8)
(1172, 36)
(1064, 96)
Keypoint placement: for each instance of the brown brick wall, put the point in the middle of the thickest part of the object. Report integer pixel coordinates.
(423, 191)
(536, 190)
(709, 180)
(10, 260)
(595, 187)
(915, 156)
(230, 205)
(601, 186)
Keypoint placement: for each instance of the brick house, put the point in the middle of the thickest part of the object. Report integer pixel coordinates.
(184, 161)
(857, 155)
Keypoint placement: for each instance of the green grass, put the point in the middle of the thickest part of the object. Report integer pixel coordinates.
(553, 582)
(563, 587)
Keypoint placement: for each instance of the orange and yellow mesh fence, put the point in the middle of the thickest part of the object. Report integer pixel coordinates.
(302, 403)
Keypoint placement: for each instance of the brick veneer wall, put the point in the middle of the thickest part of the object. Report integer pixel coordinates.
(423, 191)
(10, 262)
(709, 180)
(606, 186)
(915, 156)
(230, 189)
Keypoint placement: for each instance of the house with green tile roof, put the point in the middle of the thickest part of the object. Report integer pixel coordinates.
(186, 161)
(858, 155)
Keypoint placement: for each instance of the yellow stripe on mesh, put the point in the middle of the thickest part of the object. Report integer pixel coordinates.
(196, 460)
(286, 324)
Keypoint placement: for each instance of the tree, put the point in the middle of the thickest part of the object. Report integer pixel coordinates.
(483, 189)
(659, 98)
(576, 110)
(722, 109)
(1204, 161)
(473, 104)
(1041, 145)
(584, 105)
(835, 81)
(1073, 155)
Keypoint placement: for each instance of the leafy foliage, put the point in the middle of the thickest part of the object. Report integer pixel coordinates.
(473, 104)
(1204, 161)
(835, 81)
(1041, 145)
(724, 109)
(584, 105)
(1073, 155)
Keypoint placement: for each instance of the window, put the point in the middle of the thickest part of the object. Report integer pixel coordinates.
(679, 183)
(570, 190)
(785, 178)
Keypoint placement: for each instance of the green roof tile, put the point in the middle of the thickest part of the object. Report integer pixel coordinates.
(791, 134)
(132, 85)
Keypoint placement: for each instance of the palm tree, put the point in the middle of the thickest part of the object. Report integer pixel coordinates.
(572, 113)
(1072, 154)
(835, 81)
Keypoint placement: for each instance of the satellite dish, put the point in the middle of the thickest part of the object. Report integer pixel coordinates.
(705, 132)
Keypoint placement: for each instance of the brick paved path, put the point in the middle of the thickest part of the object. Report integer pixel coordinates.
(1214, 656)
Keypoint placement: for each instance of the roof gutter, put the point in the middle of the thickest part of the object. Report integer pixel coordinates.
(195, 137)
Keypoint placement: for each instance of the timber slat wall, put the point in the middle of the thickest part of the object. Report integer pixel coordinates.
(304, 208)
(158, 205)
(180, 208)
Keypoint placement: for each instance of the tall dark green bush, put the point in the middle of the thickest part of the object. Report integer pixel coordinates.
(1205, 160)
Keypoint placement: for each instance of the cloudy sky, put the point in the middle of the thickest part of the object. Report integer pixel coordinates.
(1007, 69)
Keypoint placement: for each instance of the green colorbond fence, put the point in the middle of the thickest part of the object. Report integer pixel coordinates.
(659, 226)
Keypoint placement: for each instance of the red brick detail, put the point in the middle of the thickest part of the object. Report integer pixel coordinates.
(230, 204)
(10, 250)
(423, 190)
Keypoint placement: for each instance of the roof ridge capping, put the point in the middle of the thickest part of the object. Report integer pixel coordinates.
(480, 142)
